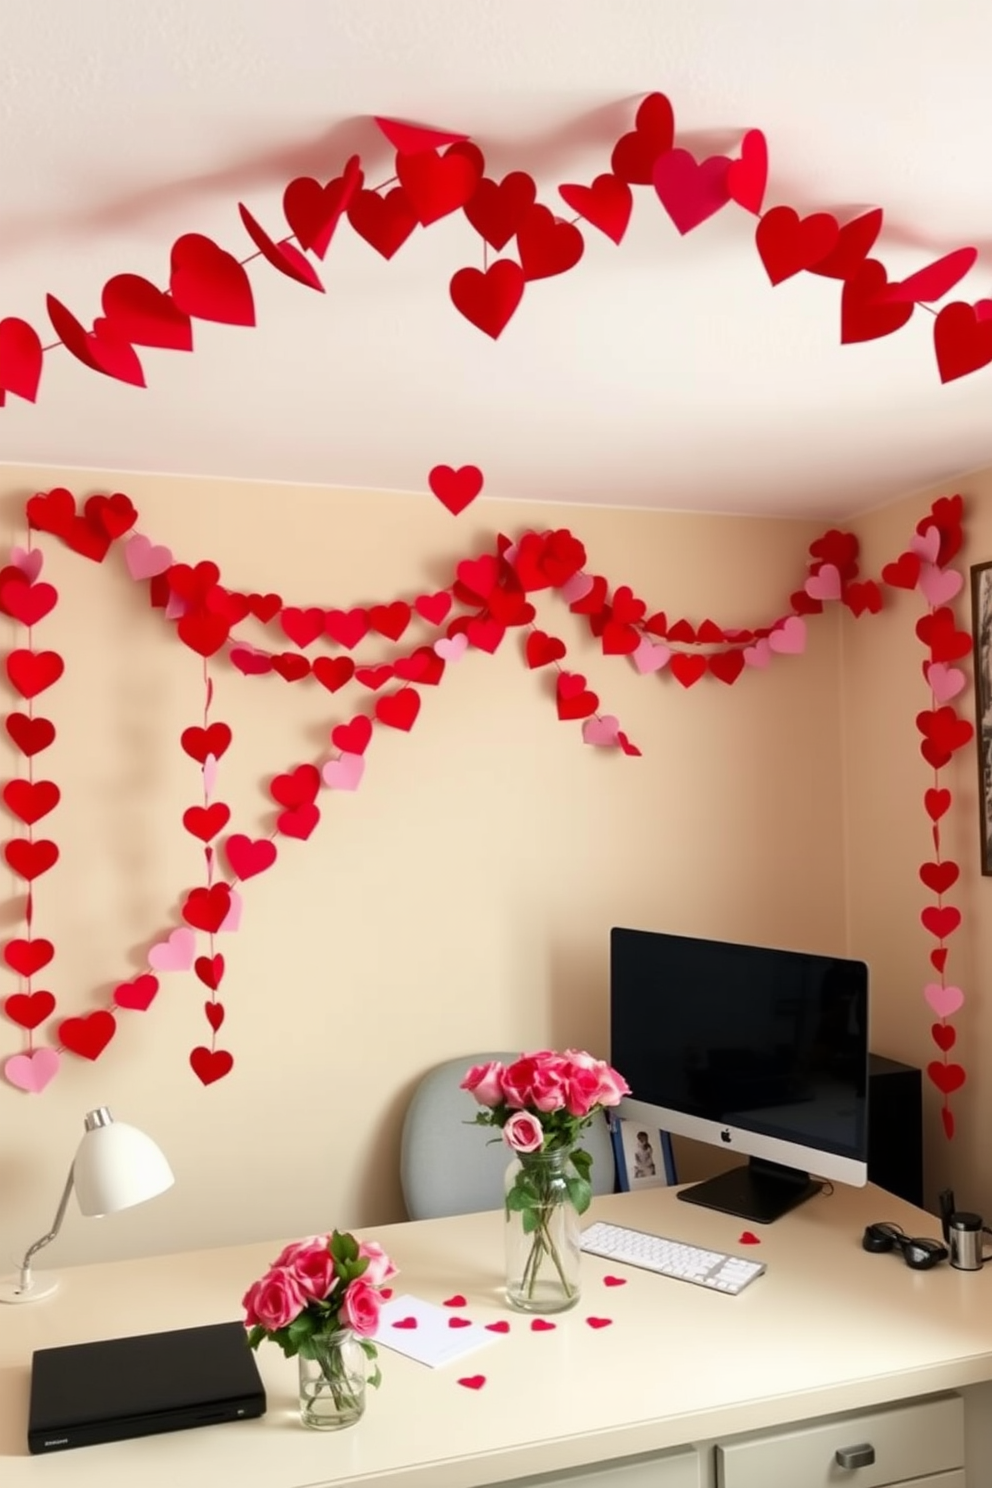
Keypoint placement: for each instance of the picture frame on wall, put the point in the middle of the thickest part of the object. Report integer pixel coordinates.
(644, 1157)
(981, 629)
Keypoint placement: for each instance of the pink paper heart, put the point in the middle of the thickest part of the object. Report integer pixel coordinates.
(945, 1001)
(691, 190)
(598, 1322)
(541, 1325)
(926, 545)
(209, 775)
(30, 563)
(456, 1301)
(603, 732)
(32, 1072)
(473, 1381)
(614, 1281)
(174, 954)
(650, 657)
(945, 681)
(789, 638)
(344, 773)
(758, 655)
(825, 583)
(144, 559)
(451, 648)
(500, 1327)
(457, 1322)
(232, 920)
(939, 585)
(175, 607)
(576, 588)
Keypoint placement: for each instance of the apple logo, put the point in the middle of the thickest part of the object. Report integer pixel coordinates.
(725, 1135)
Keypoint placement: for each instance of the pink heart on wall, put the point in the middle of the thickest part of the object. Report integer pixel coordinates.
(945, 681)
(825, 583)
(144, 559)
(174, 954)
(601, 731)
(945, 1001)
(789, 639)
(32, 1072)
(939, 585)
(344, 773)
(650, 658)
(926, 545)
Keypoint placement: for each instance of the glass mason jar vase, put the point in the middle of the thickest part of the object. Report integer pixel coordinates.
(332, 1383)
(542, 1232)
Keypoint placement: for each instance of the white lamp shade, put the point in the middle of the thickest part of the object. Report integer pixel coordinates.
(117, 1166)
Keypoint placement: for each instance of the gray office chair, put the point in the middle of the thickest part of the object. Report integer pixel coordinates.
(448, 1167)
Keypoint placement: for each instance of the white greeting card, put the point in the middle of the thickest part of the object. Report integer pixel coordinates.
(430, 1334)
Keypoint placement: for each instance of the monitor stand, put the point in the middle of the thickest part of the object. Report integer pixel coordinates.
(758, 1190)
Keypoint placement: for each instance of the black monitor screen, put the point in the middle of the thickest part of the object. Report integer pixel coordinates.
(769, 1041)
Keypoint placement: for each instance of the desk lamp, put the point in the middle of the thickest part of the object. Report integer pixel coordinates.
(115, 1167)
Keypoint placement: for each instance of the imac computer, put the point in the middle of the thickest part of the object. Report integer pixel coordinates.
(763, 1052)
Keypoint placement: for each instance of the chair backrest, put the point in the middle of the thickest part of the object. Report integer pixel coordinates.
(450, 1166)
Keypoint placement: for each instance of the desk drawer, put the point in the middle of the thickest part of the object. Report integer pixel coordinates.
(679, 1469)
(910, 1442)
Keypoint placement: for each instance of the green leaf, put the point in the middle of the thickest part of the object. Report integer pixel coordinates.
(518, 1199)
(344, 1247)
(582, 1162)
(300, 1328)
(256, 1335)
(530, 1218)
(580, 1193)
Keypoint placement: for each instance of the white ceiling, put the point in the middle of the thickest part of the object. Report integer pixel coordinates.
(665, 372)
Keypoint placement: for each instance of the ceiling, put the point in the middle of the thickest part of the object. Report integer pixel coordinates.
(666, 372)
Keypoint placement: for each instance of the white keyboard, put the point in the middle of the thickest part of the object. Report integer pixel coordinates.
(709, 1268)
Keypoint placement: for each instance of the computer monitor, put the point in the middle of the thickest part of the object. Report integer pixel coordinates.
(763, 1052)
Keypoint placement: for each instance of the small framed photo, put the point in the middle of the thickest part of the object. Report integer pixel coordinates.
(644, 1157)
(981, 629)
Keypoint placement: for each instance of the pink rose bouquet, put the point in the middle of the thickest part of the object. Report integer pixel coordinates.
(316, 1289)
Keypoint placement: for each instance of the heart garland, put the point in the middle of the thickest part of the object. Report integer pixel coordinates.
(207, 282)
(491, 591)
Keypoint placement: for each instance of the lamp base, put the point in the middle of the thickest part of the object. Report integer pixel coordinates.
(43, 1284)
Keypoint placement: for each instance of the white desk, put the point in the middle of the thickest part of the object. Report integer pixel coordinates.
(828, 1329)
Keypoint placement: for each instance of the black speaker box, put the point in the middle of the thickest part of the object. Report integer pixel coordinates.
(895, 1128)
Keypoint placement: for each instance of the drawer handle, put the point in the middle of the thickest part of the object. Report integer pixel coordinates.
(863, 1455)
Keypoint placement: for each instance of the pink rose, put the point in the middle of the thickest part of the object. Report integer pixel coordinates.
(523, 1132)
(483, 1080)
(273, 1301)
(581, 1091)
(612, 1086)
(288, 1254)
(312, 1267)
(360, 1307)
(380, 1268)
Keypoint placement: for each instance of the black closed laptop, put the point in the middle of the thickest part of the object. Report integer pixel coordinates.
(117, 1388)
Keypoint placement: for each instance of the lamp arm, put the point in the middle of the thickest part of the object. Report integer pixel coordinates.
(25, 1266)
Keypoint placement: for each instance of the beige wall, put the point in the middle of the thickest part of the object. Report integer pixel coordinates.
(461, 899)
(889, 837)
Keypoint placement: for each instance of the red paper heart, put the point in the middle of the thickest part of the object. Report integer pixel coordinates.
(457, 1322)
(347, 627)
(937, 279)
(199, 742)
(302, 626)
(947, 1120)
(691, 190)
(456, 1301)
(209, 283)
(501, 1327)
(497, 208)
(20, 358)
(210, 1064)
(547, 245)
(542, 649)
(854, 243)
(946, 1077)
(139, 312)
(939, 877)
(88, 1036)
(352, 737)
(390, 620)
(573, 699)
(29, 860)
(291, 666)
(509, 607)
(285, 256)
(29, 1009)
(620, 639)
(943, 1035)
(614, 1281)
(542, 1325)
(726, 666)
(203, 632)
(686, 668)
(52, 511)
(407, 1322)
(962, 341)
(413, 137)
(455, 489)
(599, 1322)
(28, 956)
(31, 799)
(904, 573)
(485, 633)
(861, 597)
(748, 176)
(940, 920)
(333, 672)
(748, 1237)
(193, 583)
(251, 663)
(865, 313)
(634, 154)
(101, 349)
(606, 204)
(938, 959)
(264, 607)
(939, 631)
(214, 1014)
(436, 184)
(788, 243)
(298, 822)
(478, 575)
(433, 607)
(473, 1381)
(385, 222)
(374, 676)
(27, 603)
(204, 822)
(297, 787)
(488, 299)
(247, 857)
(114, 515)
(399, 709)
(137, 995)
(210, 970)
(945, 514)
(207, 909)
(936, 803)
(313, 211)
(31, 672)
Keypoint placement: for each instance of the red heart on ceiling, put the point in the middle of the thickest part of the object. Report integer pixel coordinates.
(939, 877)
(285, 257)
(687, 669)
(962, 341)
(943, 1035)
(726, 666)
(488, 299)
(29, 1009)
(28, 956)
(313, 211)
(497, 208)
(209, 1065)
(137, 995)
(102, 349)
(865, 313)
(247, 857)
(30, 800)
(390, 620)
(904, 573)
(20, 358)
(88, 1036)
(946, 1077)
(207, 909)
(385, 222)
(748, 176)
(208, 282)
(210, 970)
(199, 742)
(940, 920)
(634, 154)
(297, 787)
(937, 279)
(31, 672)
(855, 241)
(302, 627)
(936, 803)
(691, 190)
(139, 311)
(399, 709)
(214, 1014)
(455, 489)
(352, 737)
(436, 184)
(347, 627)
(606, 204)
(542, 649)
(204, 822)
(333, 672)
(27, 603)
(573, 698)
(788, 243)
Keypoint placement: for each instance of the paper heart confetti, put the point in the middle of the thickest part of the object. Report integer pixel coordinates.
(473, 1381)
(599, 1322)
(455, 1301)
(614, 1281)
(459, 1322)
(542, 1325)
(748, 1237)
(406, 1322)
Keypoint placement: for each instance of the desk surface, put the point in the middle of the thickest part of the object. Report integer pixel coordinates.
(828, 1328)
